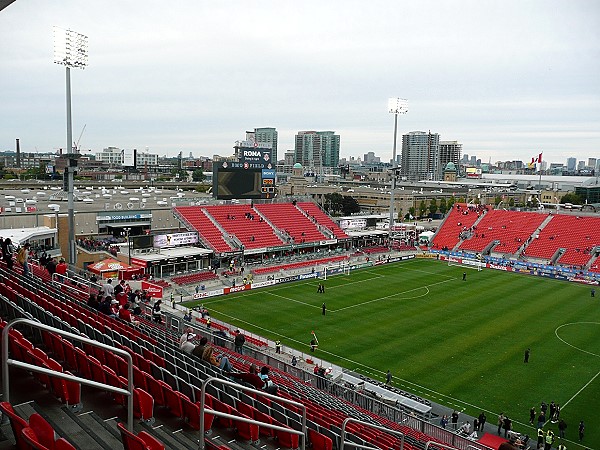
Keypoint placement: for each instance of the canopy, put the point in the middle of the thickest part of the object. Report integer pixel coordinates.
(110, 268)
(426, 236)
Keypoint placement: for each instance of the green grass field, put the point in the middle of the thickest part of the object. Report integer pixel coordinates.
(458, 343)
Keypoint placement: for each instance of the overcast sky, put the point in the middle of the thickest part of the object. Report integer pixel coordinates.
(507, 78)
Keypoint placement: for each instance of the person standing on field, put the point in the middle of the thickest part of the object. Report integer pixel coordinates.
(482, 419)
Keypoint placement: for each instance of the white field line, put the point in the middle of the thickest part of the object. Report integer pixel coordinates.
(578, 349)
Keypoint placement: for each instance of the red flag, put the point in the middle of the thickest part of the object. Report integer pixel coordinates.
(539, 158)
(532, 160)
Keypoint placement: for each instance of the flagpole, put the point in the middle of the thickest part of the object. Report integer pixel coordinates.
(540, 182)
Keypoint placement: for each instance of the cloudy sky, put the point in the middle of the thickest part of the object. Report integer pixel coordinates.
(507, 78)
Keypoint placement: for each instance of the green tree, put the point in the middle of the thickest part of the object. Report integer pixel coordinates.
(349, 205)
(433, 207)
(571, 198)
(443, 206)
(198, 175)
(451, 202)
(334, 203)
(497, 200)
(511, 202)
(422, 208)
(412, 213)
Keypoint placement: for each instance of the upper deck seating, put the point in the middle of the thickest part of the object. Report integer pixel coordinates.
(195, 216)
(461, 218)
(289, 219)
(313, 210)
(578, 235)
(244, 222)
(511, 228)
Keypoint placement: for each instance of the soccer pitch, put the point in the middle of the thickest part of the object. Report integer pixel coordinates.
(458, 343)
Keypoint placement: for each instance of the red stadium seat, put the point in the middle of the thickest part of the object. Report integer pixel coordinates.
(17, 423)
(141, 441)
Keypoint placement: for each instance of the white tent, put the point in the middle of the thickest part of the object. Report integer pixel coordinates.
(426, 236)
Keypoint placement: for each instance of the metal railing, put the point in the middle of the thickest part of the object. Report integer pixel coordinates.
(303, 434)
(74, 283)
(377, 427)
(6, 362)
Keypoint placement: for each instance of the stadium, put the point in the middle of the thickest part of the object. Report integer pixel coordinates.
(329, 312)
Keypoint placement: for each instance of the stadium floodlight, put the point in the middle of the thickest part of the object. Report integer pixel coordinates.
(71, 51)
(395, 106)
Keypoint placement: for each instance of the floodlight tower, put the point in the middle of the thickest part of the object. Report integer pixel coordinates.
(395, 106)
(71, 51)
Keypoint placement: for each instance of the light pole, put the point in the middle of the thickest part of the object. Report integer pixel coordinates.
(395, 106)
(127, 231)
(70, 50)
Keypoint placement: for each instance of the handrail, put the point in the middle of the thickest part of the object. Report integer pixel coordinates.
(75, 281)
(6, 362)
(213, 412)
(438, 444)
(377, 427)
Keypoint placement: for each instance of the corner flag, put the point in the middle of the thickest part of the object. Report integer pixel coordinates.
(315, 337)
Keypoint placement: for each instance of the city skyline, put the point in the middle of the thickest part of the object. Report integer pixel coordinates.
(506, 79)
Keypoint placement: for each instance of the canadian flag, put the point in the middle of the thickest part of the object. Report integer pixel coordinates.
(539, 158)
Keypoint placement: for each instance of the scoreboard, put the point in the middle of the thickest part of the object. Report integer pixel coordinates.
(232, 181)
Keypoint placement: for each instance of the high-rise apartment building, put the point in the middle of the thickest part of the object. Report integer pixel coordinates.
(317, 149)
(370, 158)
(421, 156)
(592, 163)
(267, 136)
(450, 152)
(571, 163)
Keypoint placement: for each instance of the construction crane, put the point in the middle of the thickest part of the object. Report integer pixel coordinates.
(78, 140)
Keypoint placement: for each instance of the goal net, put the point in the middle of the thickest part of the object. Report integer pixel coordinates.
(468, 264)
(327, 271)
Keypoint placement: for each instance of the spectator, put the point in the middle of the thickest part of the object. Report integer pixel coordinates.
(7, 252)
(250, 378)
(61, 269)
(125, 314)
(156, 312)
(108, 289)
(188, 316)
(269, 386)
(119, 288)
(222, 362)
(23, 258)
(239, 341)
(93, 302)
(199, 349)
(51, 266)
(186, 343)
(106, 307)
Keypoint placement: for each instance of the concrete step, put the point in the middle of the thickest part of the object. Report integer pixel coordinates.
(68, 427)
(171, 441)
(90, 422)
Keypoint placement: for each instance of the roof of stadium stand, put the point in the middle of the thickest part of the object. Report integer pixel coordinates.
(5, 3)
(18, 235)
(175, 252)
